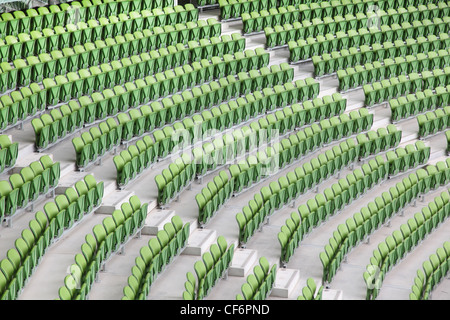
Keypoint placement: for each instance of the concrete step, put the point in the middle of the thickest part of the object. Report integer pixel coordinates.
(26, 159)
(25, 149)
(109, 188)
(113, 201)
(69, 180)
(330, 294)
(285, 282)
(199, 242)
(156, 220)
(243, 262)
(67, 168)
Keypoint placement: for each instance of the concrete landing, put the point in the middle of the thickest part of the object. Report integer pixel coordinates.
(243, 262)
(285, 282)
(156, 220)
(330, 294)
(69, 180)
(114, 201)
(200, 241)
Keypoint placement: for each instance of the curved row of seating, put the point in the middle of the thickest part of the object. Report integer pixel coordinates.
(232, 146)
(419, 102)
(433, 121)
(233, 9)
(311, 291)
(343, 59)
(288, 149)
(387, 89)
(101, 105)
(260, 283)
(49, 39)
(360, 75)
(208, 200)
(86, 81)
(196, 162)
(135, 124)
(280, 35)
(22, 189)
(110, 53)
(403, 240)
(106, 239)
(59, 14)
(209, 270)
(154, 257)
(8, 153)
(313, 45)
(333, 199)
(433, 271)
(130, 163)
(267, 201)
(93, 144)
(212, 197)
(257, 20)
(297, 182)
(131, 94)
(376, 213)
(44, 228)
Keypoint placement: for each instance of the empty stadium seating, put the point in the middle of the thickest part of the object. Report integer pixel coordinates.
(159, 149)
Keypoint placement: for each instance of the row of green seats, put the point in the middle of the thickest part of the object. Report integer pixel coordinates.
(48, 40)
(311, 291)
(361, 75)
(205, 3)
(110, 53)
(320, 208)
(209, 270)
(433, 271)
(280, 35)
(154, 257)
(234, 145)
(167, 138)
(239, 141)
(408, 157)
(290, 186)
(260, 283)
(19, 104)
(233, 9)
(387, 89)
(22, 189)
(281, 15)
(12, 23)
(42, 230)
(433, 121)
(212, 197)
(301, 180)
(130, 163)
(418, 102)
(290, 148)
(8, 152)
(305, 48)
(403, 240)
(93, 144)
(86, 81)
(338, 60)
(297, 182)
(376, 213)
(136, 123)
(107, 237)
(100, 105)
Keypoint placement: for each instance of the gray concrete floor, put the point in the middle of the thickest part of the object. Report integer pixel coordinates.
(50, 273)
